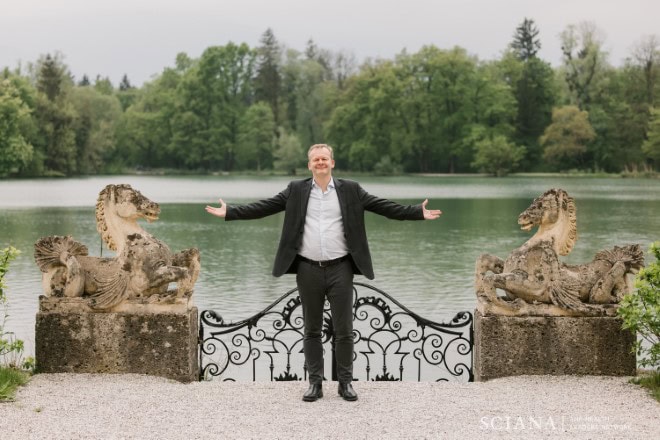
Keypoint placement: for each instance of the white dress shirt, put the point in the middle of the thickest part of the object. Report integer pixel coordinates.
(323, 236)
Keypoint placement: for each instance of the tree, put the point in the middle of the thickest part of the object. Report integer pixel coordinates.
(366, 118)
(145, 131)
(436, 105)
(183, 62)
(311, 50)
(419, 110)
(346, 128)
(564, 140)
(52, 76)
(256, 138)
(536, 96)
(310, 102)
(344, 65)
(532, 82)
(97, 116)
(55, 116)
(127, 97)
(15, 149)
(445, 94)
(308, 94)
(619, 115)
(125, 84)
(525, 42)
(363, 156)
(290, 73)
(584, 62)
(289, 154)
(84, 81)
(651, 146)
(632, 93)
(646, 57)
(497, 156)
(213, 96)
(321, 56)
(268, 81)
(103, 85)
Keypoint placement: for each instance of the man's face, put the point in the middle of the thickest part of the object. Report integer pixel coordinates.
(320, 162)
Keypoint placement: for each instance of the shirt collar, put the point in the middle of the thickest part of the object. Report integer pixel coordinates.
(331, 184)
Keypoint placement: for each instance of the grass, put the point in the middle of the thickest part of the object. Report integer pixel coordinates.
(650, 380)
(10, 380)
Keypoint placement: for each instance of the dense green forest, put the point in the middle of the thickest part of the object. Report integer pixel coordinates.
(239, 108)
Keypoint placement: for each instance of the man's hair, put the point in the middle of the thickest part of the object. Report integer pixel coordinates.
(316, 146)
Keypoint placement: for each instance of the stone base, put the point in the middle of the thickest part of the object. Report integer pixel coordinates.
(159, 344)
(556, 345)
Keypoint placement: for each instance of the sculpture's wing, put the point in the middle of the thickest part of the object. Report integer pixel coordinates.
(111, 291)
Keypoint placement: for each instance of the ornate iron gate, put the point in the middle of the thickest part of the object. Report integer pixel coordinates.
(387, 342)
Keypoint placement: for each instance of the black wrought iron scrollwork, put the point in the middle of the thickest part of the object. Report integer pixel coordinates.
(388, 339)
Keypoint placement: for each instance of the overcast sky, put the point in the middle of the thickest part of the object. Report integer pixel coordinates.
(141, 37)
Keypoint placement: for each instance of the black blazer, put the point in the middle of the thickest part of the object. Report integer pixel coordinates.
(353, 201)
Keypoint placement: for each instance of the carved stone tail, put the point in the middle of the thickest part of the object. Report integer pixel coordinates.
(50, 252)
(631, 254)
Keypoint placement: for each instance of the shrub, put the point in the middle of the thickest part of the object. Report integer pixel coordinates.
(386, 167)
(497, 156)
(10, 379)
(11, 349)
(651, 381)
(640, 312)
(9, 345)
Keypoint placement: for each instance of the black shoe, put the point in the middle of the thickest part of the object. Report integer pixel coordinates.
(347, 392)
(313, 393)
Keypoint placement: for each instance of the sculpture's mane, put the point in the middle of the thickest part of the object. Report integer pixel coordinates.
(566, 240)
(106, 196)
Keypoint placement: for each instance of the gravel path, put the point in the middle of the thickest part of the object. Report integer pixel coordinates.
(84, 406)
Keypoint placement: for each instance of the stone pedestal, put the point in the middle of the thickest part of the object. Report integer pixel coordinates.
(556, 345)
(159, 341)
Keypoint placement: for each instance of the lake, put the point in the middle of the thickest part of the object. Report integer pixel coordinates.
(427, 266)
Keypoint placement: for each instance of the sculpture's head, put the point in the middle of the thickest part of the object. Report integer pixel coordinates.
(122, 202)
(552, 207)
(128, 203)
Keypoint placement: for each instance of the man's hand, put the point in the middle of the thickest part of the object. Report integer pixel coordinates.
(218, 212)
(429, 214)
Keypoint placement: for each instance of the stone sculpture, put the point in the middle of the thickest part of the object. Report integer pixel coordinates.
(536, 282)
(143, 267)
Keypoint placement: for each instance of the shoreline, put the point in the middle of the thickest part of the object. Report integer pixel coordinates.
(303, 172)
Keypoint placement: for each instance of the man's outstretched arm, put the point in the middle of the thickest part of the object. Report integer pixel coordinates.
(251, 211)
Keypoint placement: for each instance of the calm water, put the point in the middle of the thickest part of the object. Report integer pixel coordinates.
(428, 266)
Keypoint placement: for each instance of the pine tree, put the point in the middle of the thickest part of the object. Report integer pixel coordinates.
(55, 116)
(525, 40)
(84, 81)
(533, 90)
(125, 84)
(311, 51)
(268, 83)
(50, 77)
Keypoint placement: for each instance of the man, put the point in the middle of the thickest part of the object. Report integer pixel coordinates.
(324, 242)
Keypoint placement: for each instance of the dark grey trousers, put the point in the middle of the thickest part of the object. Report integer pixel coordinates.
(314, 285)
